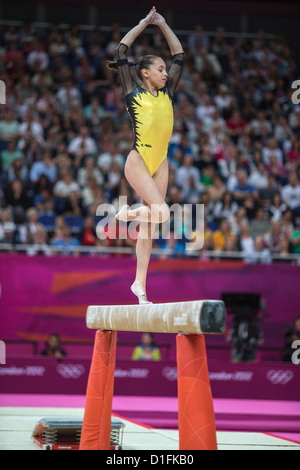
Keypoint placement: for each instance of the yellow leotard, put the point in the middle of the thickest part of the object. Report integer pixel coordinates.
(152, 116)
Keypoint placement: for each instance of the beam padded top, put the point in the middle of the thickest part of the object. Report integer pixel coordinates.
(192, 317)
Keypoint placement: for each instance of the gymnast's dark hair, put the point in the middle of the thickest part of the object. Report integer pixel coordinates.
(143, 62)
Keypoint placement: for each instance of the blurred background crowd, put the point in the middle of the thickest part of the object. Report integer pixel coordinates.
(65, 134)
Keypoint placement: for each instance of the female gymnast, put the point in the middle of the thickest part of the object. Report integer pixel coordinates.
(149, 92)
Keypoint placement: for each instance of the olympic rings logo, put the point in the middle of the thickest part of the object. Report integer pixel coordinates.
(70, 371)
(170, 373)
(280, 377)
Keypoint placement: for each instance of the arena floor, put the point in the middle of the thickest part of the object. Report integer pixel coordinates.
(17, 424)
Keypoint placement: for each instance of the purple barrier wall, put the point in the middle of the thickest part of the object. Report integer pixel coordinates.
(39, 295)
(242, 381)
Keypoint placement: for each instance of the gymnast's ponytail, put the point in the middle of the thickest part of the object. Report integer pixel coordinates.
(113, 65)
(143, 62)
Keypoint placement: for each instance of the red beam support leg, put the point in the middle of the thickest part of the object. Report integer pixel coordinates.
(96, 426)
(196, 418)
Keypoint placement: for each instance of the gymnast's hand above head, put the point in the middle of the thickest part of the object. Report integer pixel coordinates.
(130, 37)
(158, 19)
(149, 18)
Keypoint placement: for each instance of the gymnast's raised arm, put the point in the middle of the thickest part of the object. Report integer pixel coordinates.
(176, 51)
(128, 77)
(130, 37)
(171, 38)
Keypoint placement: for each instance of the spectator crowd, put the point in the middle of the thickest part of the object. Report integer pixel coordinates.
(65, 134)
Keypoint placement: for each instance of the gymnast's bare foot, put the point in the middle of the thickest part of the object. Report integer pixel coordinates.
(138, 290)
(123, 214)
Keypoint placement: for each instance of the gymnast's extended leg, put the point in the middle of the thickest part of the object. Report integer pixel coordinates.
(145, 186)
(152, 190)
(145, 239)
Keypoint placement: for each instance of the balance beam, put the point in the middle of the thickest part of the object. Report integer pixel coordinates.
(191, 317)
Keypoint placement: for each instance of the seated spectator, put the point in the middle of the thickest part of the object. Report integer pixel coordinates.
(223, 99)
(198, 37)
(295, 241)
(67, 195)
(176, 158)
(84, 71)
(53, 347)
(186, 171)
(259, 177)
(106, 158)
(63, 164)
(147, 350)
(221, 235)
(89, 194)
(294, 119)
(17, 195)
(113, 180)
(282, 131)
(39, 243)
(208, 207)
(229, 167)
(278, 170)
(9, 126)
(30, 226)
(217, 190)
(259, 123)
(68, 94)
(7, 226)
(243, 188)
(44, 167)
(208, 174)
(191, 191)
(172, 244)
(225, 208)
(291, 194)
(14, 61)
(89, 170)
(260, 254)
(245, 240)
(272, 150)
(44, 202)
(277, 207)
(31, 126)
(32, 147)
(285, 250)
(10, 154)
(97, 198)
(274, 238)
(88, 237)
(93, 112)
(206, 109)
(38, 58)
(261, 224)
(235, 126)
(18, 171)
(58, 46)
(230, 247)
(82, 146)
(266, 194)
(65, 243)
(288, 226)
(292, 151)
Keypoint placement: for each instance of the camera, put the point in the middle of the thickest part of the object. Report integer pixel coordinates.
(246, 331)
